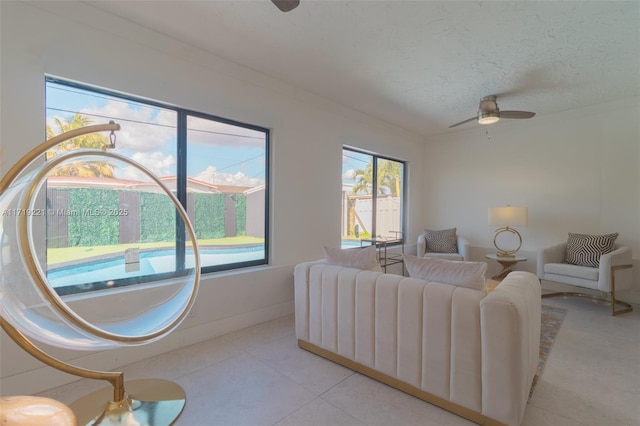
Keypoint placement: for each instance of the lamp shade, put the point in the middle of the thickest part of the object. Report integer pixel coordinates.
(508, 216)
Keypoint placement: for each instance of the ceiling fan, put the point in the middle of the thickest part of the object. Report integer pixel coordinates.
(489, 113)
(286, 5)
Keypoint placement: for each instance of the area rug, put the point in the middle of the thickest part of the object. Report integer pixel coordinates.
(552, 318)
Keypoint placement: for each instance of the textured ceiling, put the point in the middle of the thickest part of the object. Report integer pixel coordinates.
(421, 65)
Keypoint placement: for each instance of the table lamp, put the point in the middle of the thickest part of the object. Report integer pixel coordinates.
(505, 218)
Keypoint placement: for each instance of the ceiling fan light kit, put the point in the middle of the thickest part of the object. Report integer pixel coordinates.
(489, 113)
(488, 117)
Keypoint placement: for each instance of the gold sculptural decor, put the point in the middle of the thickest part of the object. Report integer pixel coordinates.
(126, 305)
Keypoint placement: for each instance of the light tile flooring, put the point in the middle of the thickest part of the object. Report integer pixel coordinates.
(258, 376)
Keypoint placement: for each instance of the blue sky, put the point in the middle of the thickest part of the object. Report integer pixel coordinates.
(217, 152)
(352, 161)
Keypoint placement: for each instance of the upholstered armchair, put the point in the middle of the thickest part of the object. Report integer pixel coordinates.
(611, 272)
(444, 244)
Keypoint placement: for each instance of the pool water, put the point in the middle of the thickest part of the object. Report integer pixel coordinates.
(346, 244)
(151, 262)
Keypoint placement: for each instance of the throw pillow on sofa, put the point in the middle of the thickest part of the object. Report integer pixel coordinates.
(455, 272)
(442, 241)
(586, 250)
(359, 258)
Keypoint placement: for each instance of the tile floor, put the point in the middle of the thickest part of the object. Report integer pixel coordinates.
(258, 376)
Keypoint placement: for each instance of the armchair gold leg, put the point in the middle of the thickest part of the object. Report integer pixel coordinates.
(611, 297)
(628, 307)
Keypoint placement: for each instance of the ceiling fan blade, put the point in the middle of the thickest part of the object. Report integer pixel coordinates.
(286, 5)
(516, 114)
(465, 121)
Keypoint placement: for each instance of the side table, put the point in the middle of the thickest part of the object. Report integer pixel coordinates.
(384, 258)
(506, 262)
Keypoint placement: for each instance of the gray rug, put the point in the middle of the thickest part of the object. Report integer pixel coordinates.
(552, 318)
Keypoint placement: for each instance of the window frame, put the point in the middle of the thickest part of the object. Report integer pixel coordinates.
(374, 190)
(182, 115)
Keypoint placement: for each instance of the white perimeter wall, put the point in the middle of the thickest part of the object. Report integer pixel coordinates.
(75, 41)
(576, 171)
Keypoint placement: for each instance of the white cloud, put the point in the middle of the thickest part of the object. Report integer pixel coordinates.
(211, 175)
(148, 128)
(349, 174)
(141, 128)
(156, 162)
(135, 131)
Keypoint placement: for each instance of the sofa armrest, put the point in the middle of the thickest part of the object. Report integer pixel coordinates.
(421, 245)
(510, 320)
(620, 256)
(551, 254)
(301, 296)
(464, 247)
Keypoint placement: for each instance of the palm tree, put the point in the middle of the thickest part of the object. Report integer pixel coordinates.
(364, 179)
(92, 140)
(388, 178)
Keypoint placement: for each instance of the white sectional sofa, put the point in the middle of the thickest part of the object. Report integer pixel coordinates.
(469, 352)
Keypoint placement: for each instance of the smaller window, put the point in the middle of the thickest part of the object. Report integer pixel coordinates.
(372, 197)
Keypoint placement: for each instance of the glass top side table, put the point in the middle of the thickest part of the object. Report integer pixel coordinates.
(387, 259)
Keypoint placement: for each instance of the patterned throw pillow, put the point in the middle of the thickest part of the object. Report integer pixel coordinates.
(585, 250)
(443, 241)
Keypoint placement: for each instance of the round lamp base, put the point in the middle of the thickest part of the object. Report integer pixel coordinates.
(152, 402)
(507, 253)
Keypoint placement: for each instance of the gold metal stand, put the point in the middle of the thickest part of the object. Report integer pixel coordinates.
(610, 297)
(148, 402)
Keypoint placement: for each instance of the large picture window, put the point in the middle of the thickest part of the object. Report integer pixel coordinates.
(217, 168)
(372, 197)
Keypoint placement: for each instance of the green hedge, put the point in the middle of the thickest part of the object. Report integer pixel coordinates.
(89, 221)
(87, 229)
(241, 214)
(209, 215)
(160, 218)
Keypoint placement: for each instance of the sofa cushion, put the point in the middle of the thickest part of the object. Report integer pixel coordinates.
(566, 269)
(586, 250)
(359, 258)
(447, 256)
(459, 273)
(442, 241)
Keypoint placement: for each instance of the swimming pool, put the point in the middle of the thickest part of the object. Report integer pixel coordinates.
(151, 262)
(345, 244)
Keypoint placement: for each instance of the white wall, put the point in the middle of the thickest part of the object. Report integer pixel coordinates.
(75, 41)
(576, 171)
